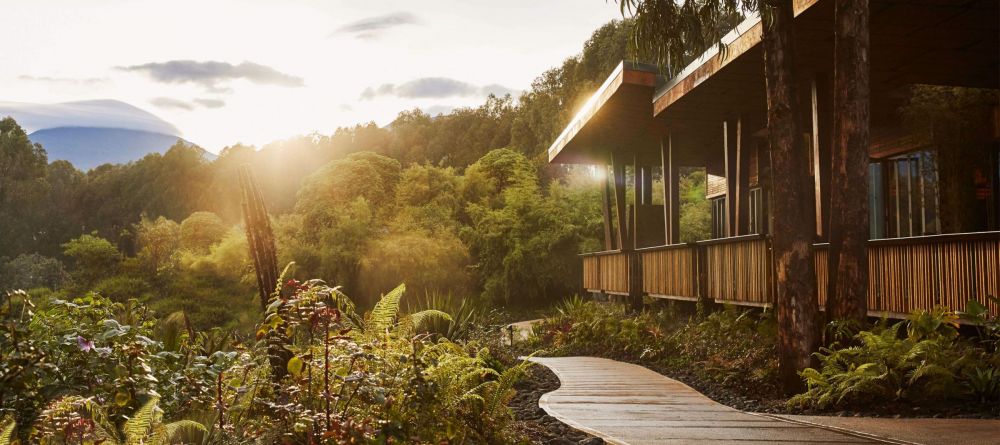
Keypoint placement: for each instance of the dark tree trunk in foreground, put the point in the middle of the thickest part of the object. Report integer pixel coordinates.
(793, 210)
(848, 260)
(260, 237)
(260, 240)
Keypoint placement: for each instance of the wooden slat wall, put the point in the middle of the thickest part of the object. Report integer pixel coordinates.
(904, 274)
(739, 270)
(924, 272)
(669, 271)
(614, 272)
(921, 273)
(821, 255)
(606, 272)
(592, 273)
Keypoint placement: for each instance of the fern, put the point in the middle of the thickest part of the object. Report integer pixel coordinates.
(383, 316)
(138, 426)
(7, 433)
(416, 321)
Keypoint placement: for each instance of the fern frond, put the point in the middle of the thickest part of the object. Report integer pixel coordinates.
(417, 320)
(7, 433)
(103, 428)
(138, 427)
(384, 314)
(173, 428)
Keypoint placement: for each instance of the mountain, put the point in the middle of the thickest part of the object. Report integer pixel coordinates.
(88, 147)
(94, 132)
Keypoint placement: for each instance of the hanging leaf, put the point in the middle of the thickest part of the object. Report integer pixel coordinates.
(295, 366)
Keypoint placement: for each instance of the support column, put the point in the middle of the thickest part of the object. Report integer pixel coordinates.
(665, 166)
(636, 199)
(647, 184)
(730, 140)
(609, 241)
(817, 177)
(618, 173)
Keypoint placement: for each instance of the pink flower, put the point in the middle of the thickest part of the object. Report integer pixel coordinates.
(85, 345)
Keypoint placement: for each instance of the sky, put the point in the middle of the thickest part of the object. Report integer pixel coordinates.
(255, 71)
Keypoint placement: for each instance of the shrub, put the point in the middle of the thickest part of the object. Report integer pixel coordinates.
(921, 360)
(29, 271)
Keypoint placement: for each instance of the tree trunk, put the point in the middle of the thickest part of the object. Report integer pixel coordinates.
(260, 241)
(794, 224)
(848, 260)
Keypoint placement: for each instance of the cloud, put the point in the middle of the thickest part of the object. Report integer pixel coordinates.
(210, 74)
(434, 87)
(373, 27)
(65, 80)
(177, 104)
(166, 102)
(210, 103)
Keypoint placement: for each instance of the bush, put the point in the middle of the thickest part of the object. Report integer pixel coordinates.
(29, 271)
(732, 347)
(922, 360)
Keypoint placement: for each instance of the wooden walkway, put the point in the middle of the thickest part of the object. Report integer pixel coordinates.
(628, 404)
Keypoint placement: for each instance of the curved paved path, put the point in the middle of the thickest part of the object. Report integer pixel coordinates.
(629, 404)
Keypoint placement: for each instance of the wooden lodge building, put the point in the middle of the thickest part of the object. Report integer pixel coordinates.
(934, 198)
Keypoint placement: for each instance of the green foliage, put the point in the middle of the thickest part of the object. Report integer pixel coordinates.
(157, 241)
(92, 258)
(733, 347)
(390, 384)
(526, 242)
(928, 363)
(202, 230)
(696, 210)
(28, 271)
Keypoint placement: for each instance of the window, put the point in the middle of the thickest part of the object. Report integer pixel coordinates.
(910, 185)
(719, 217)
(756, 222)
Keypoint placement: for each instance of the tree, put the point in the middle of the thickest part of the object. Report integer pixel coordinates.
(671, 33)
(22, 189)
(93, 258)
(201, 230)
(157, 241)
(29, 271)
(848, 257)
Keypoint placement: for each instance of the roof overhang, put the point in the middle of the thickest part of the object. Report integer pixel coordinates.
(618, 113)
(938, 42)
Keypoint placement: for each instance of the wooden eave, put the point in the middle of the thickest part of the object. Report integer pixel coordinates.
(617, 114)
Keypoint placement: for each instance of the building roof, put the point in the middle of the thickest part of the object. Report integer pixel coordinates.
(943, 42)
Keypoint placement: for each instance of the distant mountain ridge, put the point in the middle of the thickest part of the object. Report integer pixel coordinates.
(94, 132)
(87, 147)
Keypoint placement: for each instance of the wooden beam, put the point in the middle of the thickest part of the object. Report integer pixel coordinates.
(736, 182)
(618, 171)
(665, 166)
(609, 241)
(636, 191)
(675, 196)
(815, 157)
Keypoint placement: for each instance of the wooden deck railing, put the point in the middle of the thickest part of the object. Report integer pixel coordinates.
(738, 270)
(606, 271)
(670, 271)
(905, 274)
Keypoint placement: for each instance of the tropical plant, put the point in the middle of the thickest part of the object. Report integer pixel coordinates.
(918, 360)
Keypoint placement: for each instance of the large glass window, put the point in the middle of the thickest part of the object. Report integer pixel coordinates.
(910, 184)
